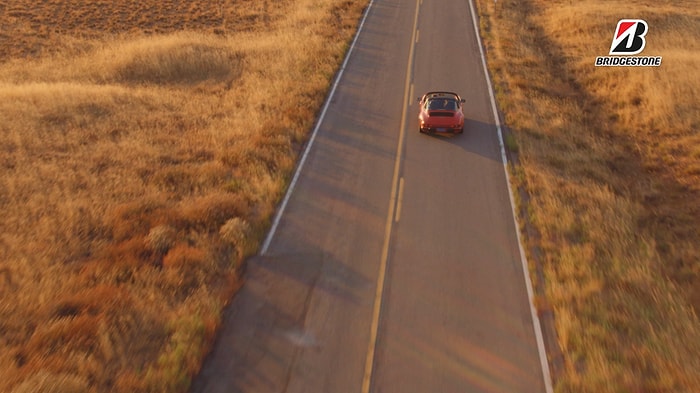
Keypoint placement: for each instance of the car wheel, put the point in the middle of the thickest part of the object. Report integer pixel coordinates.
(461, 130)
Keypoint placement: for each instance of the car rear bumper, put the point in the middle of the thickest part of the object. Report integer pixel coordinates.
(437, 129)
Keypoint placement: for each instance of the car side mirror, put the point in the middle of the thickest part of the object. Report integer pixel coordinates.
(463, 100)
(418, 99)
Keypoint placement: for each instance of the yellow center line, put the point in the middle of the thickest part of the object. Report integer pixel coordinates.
(369, 361)
(399, 200)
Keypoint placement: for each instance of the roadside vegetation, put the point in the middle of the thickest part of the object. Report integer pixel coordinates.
(142, 149)
(609, 162)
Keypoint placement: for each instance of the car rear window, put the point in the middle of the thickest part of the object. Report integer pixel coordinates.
(445, 104)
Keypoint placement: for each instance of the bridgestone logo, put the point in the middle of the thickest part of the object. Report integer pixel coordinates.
(629, 61)
(629, 39)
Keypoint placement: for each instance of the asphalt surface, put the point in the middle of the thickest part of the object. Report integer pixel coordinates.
(395, 266)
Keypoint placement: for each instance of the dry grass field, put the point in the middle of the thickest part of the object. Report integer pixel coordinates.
(610, 162)
(143, 145)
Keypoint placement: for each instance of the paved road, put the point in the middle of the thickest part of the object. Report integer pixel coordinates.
(395, 266)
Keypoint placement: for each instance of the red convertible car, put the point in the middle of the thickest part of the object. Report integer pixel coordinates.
(441, 111)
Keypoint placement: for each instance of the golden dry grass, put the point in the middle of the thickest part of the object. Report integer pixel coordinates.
(143, 146)
(609, 158)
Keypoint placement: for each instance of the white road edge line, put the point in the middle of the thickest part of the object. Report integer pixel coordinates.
(297, 172)
(528, 283)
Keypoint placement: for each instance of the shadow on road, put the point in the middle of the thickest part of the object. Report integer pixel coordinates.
(263, 328)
